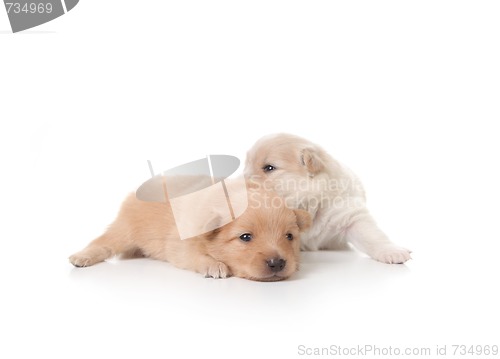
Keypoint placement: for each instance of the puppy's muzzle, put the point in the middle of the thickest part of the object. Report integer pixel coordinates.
(276, 264)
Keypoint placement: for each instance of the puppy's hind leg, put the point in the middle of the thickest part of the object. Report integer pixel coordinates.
(109, 244)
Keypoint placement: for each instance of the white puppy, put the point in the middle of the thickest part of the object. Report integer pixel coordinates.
(309, 178)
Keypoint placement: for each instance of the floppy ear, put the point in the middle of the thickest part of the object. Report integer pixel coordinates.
(212, 226)
(311, 160)
(304, 219)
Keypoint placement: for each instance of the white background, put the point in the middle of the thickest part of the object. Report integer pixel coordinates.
(405, 93)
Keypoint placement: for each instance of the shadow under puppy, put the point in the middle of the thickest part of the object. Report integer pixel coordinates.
(262, 244)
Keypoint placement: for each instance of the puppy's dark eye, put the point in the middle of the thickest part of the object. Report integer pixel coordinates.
(289, 236)
(246, 237)
(268, 168)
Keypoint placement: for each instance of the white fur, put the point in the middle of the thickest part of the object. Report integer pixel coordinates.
(339, 212)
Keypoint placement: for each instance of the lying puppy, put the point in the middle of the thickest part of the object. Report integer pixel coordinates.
(262, 244)
(307, 177)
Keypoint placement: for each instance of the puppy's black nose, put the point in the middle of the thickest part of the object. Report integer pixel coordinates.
(276, 264)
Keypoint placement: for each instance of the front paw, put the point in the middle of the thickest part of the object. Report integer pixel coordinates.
(392, 255)
(217, 270)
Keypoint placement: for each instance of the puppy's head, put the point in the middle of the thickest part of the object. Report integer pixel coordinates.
(262, 244)
(287, 163)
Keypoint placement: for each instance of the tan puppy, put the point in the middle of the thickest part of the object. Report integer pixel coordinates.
(262, 244)
(309, 178)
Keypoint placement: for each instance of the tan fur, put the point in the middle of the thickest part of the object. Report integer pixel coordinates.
(148, 229)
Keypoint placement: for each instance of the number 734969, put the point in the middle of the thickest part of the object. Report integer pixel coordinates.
(29, 8)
